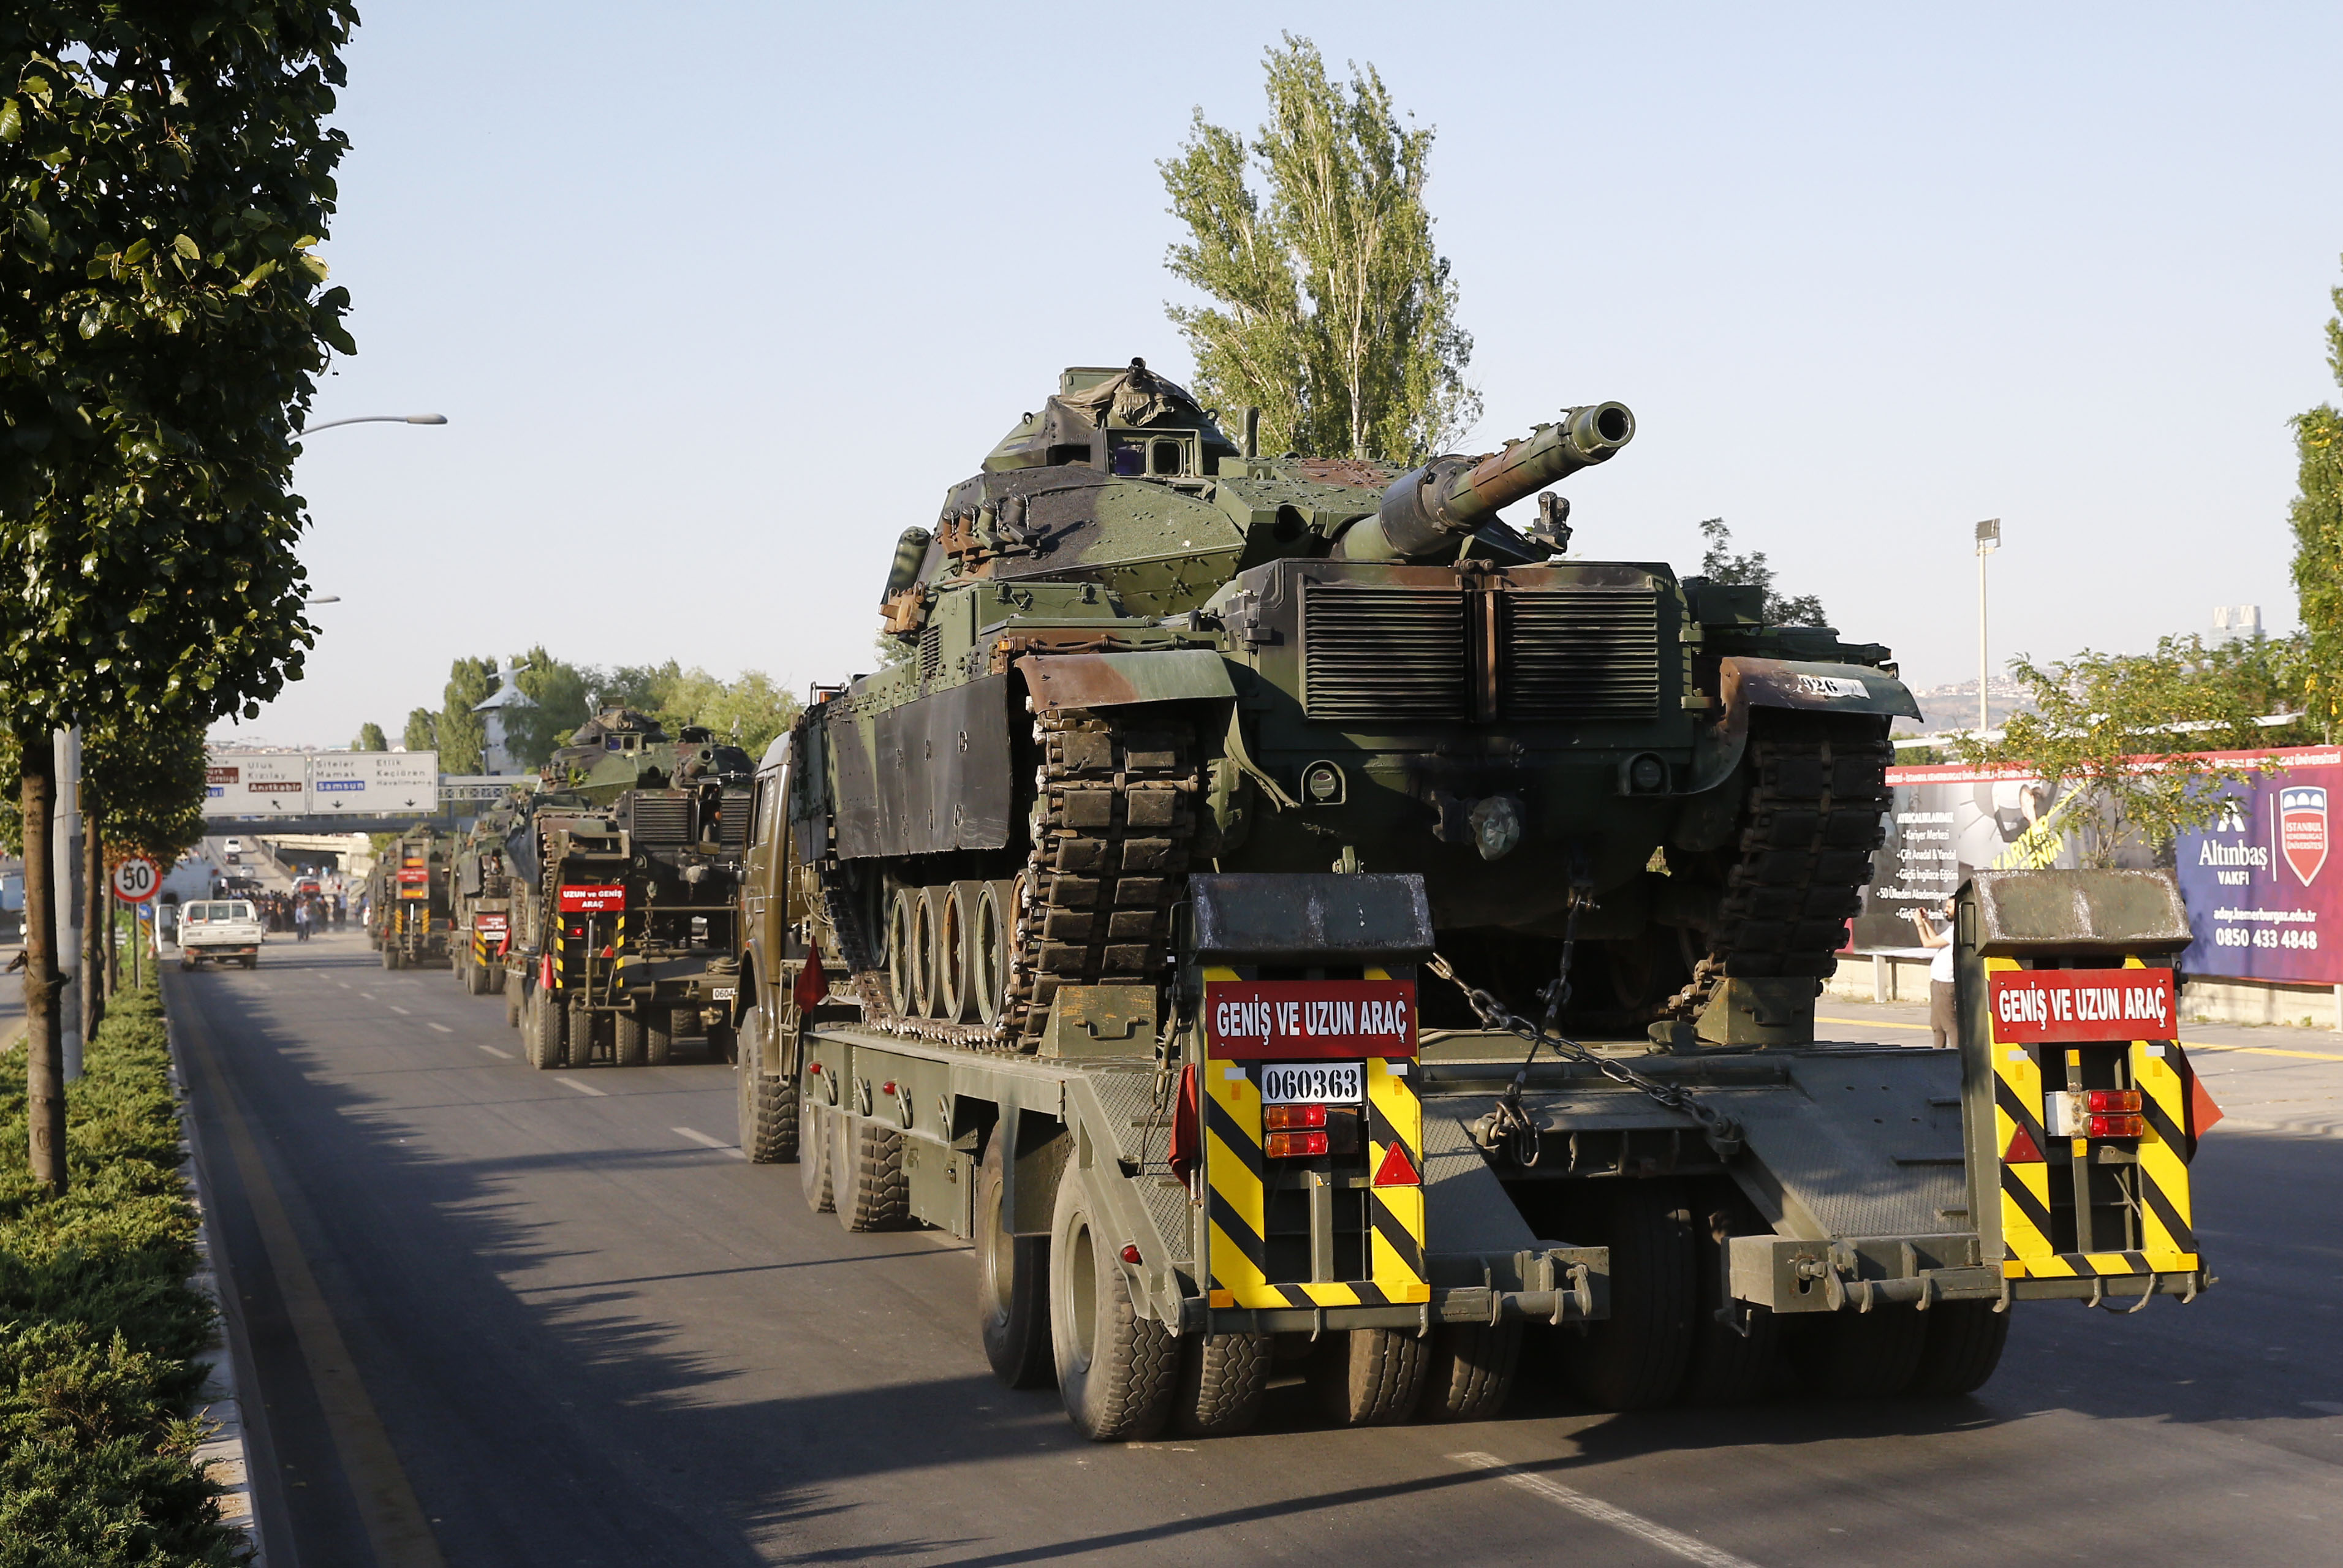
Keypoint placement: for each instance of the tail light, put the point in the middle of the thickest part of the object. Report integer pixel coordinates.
(2098, 1101)
(1295, 1145)
(1295, 1118)
(2116, 1125)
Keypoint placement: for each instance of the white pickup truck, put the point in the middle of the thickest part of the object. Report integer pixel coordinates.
(219, 930)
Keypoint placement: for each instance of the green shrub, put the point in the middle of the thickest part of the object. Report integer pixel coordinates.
(98, 1328)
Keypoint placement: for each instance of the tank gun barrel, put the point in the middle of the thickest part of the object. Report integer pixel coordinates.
(1425, 509)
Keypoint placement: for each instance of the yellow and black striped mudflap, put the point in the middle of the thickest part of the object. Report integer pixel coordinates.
(2166, 1223)
(2017, 1131)
(1395, 1181)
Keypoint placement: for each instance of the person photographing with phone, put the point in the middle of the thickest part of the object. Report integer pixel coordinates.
(1940, 970)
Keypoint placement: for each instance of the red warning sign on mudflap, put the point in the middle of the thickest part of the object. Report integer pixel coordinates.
(1309, 1019)
(602, 899)
(2071, 1007)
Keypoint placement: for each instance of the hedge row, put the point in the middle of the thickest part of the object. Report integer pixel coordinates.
(98, 1328)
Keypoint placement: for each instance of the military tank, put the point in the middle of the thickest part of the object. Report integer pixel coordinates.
(1132, 647)
(480, 897)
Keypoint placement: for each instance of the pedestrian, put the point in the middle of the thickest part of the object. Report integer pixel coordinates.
(301, 918)
(1941, 1017)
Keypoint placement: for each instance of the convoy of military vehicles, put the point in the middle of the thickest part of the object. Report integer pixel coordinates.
(1290, 918)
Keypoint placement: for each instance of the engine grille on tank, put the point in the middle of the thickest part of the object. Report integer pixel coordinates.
(1379, 652)
(662, 819)
(735, 825)
(1579, 654)
(1382, 652)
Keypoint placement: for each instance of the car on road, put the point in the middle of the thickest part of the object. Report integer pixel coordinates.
(215, 930)
(232, 851)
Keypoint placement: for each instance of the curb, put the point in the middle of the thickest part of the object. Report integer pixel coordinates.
(223, 1455)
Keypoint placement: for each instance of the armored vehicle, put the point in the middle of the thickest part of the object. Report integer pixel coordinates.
(415, 927)
(1279, 910)
(636, 908)
(480, 897)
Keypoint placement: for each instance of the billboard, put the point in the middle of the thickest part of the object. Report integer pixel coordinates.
(2264, 888)
(256, 784)
(373, 783)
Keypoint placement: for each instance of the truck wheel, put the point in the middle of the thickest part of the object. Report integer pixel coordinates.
(813, 1153)
(544, 1036)
(766, 1104)
(1635, 1357)
(1222, 1380)
(874, 1190)
(253, 962)
(580, 1036)
(512, 1005)
(626, 1049)
(1013, 1283)
(1471, 1370)
(1116, 1370)
(659, 1036)
(1368, 1377)
(1728, 1367)
(1849, 1355)
(389, 958)
(1962, 1345)
(493, 979)
(479, 979)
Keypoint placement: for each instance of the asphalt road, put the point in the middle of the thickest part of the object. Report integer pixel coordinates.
(502, 1317)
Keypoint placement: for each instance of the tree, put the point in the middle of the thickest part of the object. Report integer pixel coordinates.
(2317, 518)
(147, 784)
(370, 738)
(165, 172)
(1719, 564)
(563, 698)
(1335, 314)
(747, 713)
(422, 731)
(2118, 729)
(460, 731)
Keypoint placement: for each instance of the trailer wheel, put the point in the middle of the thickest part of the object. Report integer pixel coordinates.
(1635, 1357)
(659, 1036)
(873, 1190)
(1223, 1380)
(541, 1032)
(813, 1150)
(1728, 1367)
(1115, 1368)
(1368, 1377)
(627, 1040)
(1471, 1370)
(1849, 1355)
(1013, 1283)
(512, 1005)
(495, 983)
(1963, 1346)
(389, 956)
(580, 1035)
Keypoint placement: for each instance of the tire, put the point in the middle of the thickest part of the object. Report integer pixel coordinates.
(1471, 1370)
(813, 1153)
(389, 958)
(1635, 1357)
(1116, 1370)
(1728, 1367)
(1012, 1284)
(1962, 1348)
(873, 1190)
(512, 1005)
(475, 978)
(1223, 1380)
(579, 1037)
(1849, 1355)
(1370, 1377)
(659, 1036)
(495, 983)
(627, 1039)
(253, 962)
(544, 1041)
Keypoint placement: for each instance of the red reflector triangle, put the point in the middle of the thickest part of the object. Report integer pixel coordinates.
(2202, 1112)
(1397, 1169)
(2021, 1150)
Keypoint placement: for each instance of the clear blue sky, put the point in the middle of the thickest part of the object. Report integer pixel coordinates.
(718, 298)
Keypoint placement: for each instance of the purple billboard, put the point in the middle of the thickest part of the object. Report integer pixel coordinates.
(2265, 894)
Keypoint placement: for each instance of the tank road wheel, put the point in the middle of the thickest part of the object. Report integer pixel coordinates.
(1222, 1380)
(1115, 1368)
(1964, 1344)
(1471, 1370)
(1849, 1354)
(765, 1104)
(1013, 1283)
(993, 933)
(544, 1038)
(874, 1190)
(954, 962)
(1368, 1377)
(813, 1147)
(902, 952)
(512, 1002)
(926, 911)
(626, 1048)
(1635, 1357)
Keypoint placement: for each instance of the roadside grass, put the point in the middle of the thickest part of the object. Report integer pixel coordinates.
(98, 1328)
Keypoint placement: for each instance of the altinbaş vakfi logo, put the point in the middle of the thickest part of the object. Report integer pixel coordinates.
(2302, 828)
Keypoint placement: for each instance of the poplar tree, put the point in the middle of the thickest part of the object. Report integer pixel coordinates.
(1333, 312)
(2317, 518)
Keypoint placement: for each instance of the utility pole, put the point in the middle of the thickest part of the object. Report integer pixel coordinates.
(1988, 540)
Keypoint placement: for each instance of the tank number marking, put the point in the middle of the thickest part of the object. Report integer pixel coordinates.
(724, 993)
(1831, 685)
(1313, 1083)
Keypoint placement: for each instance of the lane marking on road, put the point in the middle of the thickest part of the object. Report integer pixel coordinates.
(343, 983)
(393, 1516)
(492, 1050)
(400, 1010)
(442, 1028)
(2325, 1406)
(2187, 1044)
(1690, 1548)
(704, 1141)
(365, 996)
(580, 1088)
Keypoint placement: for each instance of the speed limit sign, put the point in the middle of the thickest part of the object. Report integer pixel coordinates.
(136, 880)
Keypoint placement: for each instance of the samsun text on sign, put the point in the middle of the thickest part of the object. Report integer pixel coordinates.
(2075, 1006)
(1307, 1020)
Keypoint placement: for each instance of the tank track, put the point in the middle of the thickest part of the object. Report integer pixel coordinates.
(1817, 797)
(1112, 819)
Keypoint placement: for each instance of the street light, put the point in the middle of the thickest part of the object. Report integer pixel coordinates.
(324, 598)
(377, 419)
(1988, 540)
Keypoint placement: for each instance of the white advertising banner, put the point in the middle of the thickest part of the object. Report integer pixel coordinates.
(373, 783)
(257, 784)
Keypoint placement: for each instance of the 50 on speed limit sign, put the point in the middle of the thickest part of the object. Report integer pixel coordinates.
(136, 880)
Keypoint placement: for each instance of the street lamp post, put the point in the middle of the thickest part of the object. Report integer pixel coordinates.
(1988, 540)
(377, 419)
